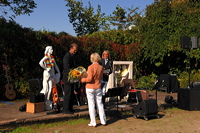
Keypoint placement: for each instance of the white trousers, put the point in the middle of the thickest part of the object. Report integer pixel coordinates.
(95, 95)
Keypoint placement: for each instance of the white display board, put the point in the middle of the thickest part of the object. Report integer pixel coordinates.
(112, 81)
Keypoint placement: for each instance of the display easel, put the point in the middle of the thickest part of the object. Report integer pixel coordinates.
(115, 92)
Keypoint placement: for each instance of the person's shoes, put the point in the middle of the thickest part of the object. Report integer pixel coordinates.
(104, 124)
(68, 112)
(90, 125)
(72, 110)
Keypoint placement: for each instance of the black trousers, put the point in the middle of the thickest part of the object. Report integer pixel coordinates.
(68, 97)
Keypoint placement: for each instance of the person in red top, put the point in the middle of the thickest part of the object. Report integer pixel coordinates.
(93, 89)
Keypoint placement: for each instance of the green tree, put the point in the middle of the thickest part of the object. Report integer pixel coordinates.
(118, 18)
(161, 28)
(18, 7)
(84, 20)
(124, 19)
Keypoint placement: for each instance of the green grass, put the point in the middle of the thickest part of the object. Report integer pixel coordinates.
(76, 122)
(33, 128)
(27, 129)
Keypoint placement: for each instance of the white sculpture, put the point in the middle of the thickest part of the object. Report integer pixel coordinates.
(49, 65)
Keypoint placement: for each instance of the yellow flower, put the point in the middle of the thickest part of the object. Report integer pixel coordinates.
(75, 73)
(124, 72)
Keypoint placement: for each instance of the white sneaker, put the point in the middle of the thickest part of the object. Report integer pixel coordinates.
(90, 125)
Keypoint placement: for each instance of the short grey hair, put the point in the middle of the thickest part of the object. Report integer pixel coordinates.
(94, 57)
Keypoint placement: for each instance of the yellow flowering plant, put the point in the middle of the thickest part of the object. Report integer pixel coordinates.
(76, 73)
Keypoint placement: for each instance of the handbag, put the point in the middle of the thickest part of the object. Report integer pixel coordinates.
(22, 108)
(106, 71)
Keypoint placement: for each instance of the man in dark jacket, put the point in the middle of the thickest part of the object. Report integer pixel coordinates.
(68, 64)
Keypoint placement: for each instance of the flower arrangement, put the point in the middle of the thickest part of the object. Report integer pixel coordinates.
(75, 74)
(124, 72)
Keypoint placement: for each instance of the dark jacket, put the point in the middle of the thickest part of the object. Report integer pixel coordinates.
(107, 66)
(68, 64)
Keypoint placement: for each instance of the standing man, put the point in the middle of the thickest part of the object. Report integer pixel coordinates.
(68, 64)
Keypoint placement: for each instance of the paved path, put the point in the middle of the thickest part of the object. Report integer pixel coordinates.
(10, 114)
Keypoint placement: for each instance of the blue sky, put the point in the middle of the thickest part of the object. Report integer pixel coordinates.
(52, 15)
